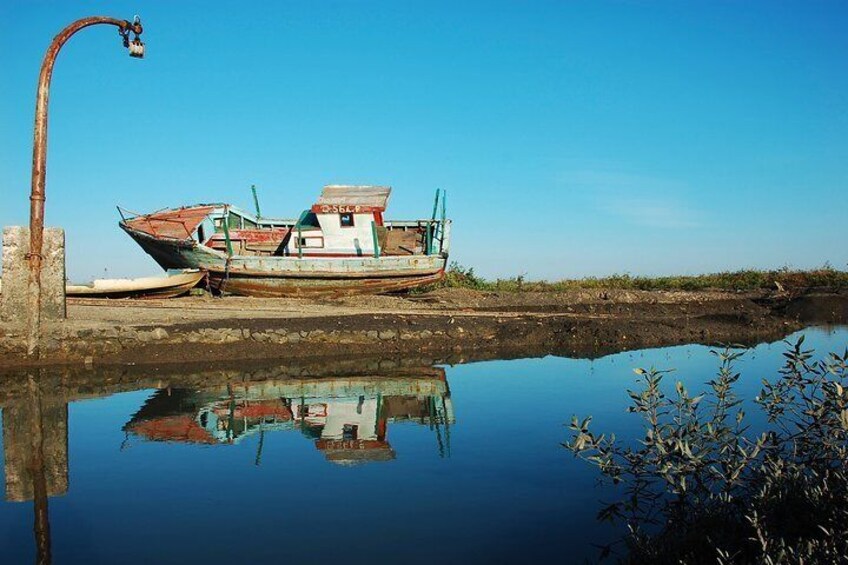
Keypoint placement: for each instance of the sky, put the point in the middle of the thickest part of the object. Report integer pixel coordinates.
(573, 138)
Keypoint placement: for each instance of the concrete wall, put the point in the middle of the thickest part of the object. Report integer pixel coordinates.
(13, 299)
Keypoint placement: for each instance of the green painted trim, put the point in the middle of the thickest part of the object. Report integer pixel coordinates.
(226, 224)
(442, 224)
(444, 204)
(376, 240)
(256, 201)
(297, 225)
(435, 204)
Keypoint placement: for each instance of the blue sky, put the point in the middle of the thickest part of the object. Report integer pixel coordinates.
(573, 138)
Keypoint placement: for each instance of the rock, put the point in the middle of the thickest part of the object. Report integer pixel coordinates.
(387, 334)
(110, 333)
(458, 331)
(293, 338)
(229, 335)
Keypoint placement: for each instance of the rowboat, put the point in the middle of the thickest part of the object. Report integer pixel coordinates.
(170, 286)
(146, 287)
(341, 245)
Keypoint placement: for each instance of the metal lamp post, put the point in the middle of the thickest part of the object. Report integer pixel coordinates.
(39, 158)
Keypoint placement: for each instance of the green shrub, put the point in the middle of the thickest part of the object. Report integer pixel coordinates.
(458, 276)
(700, 488)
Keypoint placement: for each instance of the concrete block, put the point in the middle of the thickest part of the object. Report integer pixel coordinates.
(22, 432)
(13, 299)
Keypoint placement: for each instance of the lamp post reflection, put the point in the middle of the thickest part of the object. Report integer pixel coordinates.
(35, 442)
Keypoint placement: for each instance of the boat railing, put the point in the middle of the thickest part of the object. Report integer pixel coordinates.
(435, 229)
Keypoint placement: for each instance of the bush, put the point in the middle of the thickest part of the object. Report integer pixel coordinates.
(700, 488)
(458, 276)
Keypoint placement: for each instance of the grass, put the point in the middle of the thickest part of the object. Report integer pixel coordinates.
(459, 276)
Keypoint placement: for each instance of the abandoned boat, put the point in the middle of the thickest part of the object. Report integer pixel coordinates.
(341, 245)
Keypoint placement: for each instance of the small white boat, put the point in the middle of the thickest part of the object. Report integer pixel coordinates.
(146, 287)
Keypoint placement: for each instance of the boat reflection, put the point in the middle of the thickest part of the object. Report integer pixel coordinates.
(347, 415)
(347, 418)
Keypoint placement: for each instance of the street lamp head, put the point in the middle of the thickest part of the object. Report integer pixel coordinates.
(134, 45)
(136, 48)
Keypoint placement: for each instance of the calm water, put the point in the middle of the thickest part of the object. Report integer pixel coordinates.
(419, 465)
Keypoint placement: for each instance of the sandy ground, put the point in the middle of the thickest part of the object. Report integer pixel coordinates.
(442, 302)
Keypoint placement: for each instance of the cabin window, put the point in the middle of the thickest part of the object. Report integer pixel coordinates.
(350, 432)
(346, 220)
(313, 242)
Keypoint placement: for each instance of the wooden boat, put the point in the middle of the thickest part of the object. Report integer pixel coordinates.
(147, 287)
(341, 245)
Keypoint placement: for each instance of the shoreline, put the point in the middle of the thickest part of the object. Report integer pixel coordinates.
(446, 325)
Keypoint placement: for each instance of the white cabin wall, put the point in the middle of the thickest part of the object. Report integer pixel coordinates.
(348, 412)
(338, 239)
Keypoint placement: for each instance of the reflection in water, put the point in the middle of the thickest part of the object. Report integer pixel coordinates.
(189, 492)
(347, 418)
(35, 455)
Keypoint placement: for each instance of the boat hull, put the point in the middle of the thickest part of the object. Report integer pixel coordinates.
(276, 287)
(280, 276)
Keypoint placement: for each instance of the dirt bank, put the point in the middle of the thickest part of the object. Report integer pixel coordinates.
(451, 325)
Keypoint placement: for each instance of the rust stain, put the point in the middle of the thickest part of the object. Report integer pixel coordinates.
(179, 428)
(175, 224)
(274, 288)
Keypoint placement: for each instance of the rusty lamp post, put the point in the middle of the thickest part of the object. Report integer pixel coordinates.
(39, 157)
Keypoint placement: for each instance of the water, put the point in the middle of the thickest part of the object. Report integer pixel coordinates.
(412, 464)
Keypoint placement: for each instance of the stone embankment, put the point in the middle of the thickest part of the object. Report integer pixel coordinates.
(454, 324)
